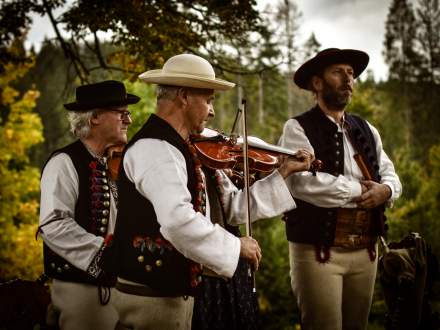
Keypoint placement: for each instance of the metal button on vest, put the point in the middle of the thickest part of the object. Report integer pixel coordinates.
(104, 221)
(337, 162)
(337, 152)
(66, 267)
(140, 258)
(59, 270)
(158, 263)
(337, 144)
(107, 195)
(106, 203)
(104, 180)
(52, 265)
(105, 212)
(104, 173)
(148, 268)
(102, 229)
(105, 187)
(336, 135)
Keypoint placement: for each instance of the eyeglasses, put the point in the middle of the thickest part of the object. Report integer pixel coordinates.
(122, 114)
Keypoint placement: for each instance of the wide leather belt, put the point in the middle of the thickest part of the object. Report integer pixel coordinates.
(141, 290)
(353, 229)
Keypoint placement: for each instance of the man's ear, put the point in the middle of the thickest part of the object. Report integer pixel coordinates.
(182, 95)
(94, 119)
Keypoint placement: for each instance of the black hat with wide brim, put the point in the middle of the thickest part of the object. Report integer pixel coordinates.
(105, 94)
(356, 58)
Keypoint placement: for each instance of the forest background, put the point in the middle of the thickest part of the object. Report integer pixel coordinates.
(246, 47)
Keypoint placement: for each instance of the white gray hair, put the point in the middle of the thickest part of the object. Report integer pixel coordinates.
(165, 92)
(80, 123)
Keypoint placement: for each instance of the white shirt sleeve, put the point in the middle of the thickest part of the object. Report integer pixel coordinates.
(269, 197)
(386, 168)
(59, 193)
(324, 189)
(158, 171)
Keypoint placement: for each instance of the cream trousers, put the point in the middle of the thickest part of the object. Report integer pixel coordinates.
(78, 307)
(334, 295)
(142, 313)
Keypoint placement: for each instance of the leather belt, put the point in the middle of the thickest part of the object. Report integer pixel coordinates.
(142, 290)
(353, 229)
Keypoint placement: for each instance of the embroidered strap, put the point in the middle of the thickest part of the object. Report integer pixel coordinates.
(196, 269)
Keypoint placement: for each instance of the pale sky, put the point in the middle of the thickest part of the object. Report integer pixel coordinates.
(358, 24)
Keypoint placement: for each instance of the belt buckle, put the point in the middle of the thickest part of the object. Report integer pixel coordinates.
(354, 240)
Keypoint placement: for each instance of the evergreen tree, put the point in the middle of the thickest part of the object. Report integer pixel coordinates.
(428, 14)
(311, 47)
(402, 57)
(401, 42)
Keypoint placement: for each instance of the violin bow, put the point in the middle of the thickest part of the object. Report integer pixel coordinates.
(246, 181)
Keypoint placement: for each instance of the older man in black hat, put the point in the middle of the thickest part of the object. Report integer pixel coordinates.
(78, 206)
(333, 231)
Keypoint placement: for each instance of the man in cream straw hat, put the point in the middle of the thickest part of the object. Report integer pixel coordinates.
(164, 231)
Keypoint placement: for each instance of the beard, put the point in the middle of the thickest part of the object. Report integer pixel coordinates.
(336, 98)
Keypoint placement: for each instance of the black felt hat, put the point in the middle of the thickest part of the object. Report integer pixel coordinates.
(356, 58)
(104, 94)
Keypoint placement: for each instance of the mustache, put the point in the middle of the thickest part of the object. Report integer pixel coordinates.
(347, 88)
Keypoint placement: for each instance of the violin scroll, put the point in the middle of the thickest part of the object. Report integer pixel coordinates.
(114, 158)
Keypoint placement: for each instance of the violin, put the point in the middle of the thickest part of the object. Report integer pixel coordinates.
(218, 151)
(114, 158)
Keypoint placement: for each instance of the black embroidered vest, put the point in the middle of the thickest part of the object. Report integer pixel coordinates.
(92, 211)
(142, 254)
(316, 225)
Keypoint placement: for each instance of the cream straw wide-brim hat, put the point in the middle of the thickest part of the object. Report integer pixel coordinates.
(186, 70)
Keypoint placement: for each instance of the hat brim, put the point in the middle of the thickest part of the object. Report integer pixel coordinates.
(185, 80)
(75, 106)
(356, 58)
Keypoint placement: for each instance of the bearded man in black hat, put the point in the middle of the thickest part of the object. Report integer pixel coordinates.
(78, 206)
(334, 229)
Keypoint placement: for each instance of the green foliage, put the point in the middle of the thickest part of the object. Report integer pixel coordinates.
(20, 129)
(141, 110)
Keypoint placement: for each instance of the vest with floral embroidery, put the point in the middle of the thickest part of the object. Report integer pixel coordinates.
(92, 211)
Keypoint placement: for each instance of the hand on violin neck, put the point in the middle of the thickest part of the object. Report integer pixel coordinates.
(291, 164)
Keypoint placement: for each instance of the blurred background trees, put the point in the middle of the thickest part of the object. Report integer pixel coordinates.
(119, 39)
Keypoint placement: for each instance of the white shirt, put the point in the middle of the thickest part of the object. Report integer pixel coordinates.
(59, 194)
(326, 190)
(158, 171)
